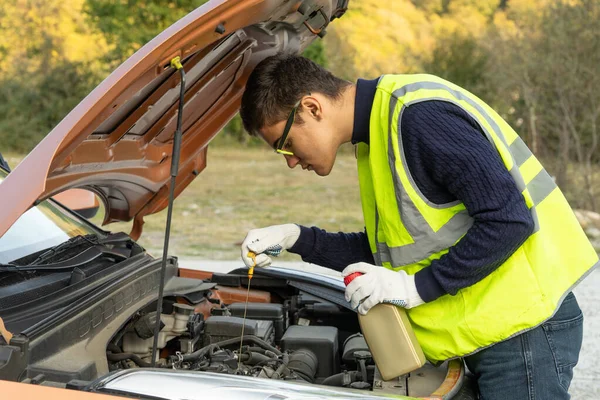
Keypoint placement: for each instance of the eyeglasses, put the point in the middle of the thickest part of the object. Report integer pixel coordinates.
(286, 131)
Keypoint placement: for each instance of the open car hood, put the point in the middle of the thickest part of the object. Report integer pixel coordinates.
(117, 142)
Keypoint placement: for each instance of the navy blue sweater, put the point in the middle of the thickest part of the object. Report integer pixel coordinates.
(449, 159)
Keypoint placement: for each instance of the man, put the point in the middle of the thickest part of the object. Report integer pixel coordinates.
(464, 227)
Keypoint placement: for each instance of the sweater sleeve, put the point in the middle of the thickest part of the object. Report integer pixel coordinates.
(332, 250)
(450, 158)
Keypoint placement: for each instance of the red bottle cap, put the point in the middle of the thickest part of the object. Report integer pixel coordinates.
(350, 278)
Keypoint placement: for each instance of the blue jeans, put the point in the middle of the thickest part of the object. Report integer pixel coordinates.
(537, 364)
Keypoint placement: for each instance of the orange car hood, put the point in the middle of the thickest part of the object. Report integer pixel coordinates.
(117, 142)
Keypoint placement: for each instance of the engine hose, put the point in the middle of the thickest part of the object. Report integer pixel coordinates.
(257, 349)
(128, 356)
(254, 339)
(254, 358)
(197, 354)
(284, 364)
(114, 348)
(275, 360)
(201, 365)
(342, 379)
(270, 354)
(203, 351)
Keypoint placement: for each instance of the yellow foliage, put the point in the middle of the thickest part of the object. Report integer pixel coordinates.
(506, 27)
(37, 34)
(382, 36)
(485, 8)
(397, 36)
(521, 19)
(526, 10)
(470, 20)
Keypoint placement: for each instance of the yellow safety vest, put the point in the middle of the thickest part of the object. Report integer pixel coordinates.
(408, 232)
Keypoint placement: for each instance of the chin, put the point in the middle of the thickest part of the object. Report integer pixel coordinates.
(323, 171)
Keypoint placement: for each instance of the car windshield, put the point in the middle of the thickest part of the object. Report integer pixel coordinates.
(43, 226)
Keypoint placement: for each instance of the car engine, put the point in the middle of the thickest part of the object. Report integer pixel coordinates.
(286, 341)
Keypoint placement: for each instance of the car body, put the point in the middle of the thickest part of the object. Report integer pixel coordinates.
(79, 301)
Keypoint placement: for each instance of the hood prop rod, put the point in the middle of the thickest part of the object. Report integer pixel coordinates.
(175, 63)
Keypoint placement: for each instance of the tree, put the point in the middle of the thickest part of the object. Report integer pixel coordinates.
(545, 65)
(30, 109)
(129, 24)
(460, 59)
(571, 38)
(36, 35)
(316, 52)
(376, 37)
(49, 63)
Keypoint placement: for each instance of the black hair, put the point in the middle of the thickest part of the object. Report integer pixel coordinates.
(277, 83)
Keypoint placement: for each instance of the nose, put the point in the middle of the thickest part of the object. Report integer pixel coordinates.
(292, 161)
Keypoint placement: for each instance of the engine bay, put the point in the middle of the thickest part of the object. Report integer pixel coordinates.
(299, 329)
(287, 334)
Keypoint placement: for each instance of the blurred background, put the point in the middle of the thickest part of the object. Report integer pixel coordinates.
(537, 62)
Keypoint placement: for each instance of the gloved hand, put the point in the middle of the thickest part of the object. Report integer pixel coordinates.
(380, 285)
(271, 240)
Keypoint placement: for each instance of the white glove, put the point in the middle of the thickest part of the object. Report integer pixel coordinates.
(380, 285)
(271, 240)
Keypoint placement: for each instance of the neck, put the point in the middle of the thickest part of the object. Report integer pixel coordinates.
(345, 115)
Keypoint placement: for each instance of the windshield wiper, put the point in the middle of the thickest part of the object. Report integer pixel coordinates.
(86, 256)
(75, 241)
(85, 248)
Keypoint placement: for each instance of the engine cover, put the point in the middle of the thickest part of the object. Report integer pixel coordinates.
(263, 312)
(218, 328)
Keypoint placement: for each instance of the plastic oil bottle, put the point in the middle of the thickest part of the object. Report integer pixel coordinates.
(390, 338)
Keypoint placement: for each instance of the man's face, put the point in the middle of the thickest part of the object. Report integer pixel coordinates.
(313, 142)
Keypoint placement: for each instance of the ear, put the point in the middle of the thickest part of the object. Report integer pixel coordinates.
(313, 107)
